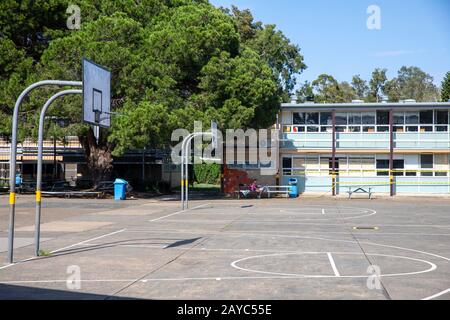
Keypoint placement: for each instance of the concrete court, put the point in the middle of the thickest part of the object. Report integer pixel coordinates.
(309, 248)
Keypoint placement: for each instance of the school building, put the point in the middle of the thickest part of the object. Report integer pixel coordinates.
(390, 147)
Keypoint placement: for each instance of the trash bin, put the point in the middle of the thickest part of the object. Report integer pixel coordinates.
(293, 189)
(120, 189)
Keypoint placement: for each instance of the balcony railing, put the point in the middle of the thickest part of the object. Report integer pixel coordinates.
(365, 140)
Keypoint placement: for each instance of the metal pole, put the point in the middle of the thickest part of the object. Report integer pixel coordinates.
(333, 166)
(183, 146)
(391, 152)
(13, 155)
(37, 232)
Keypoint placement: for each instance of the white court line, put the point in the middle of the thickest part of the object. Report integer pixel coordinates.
(173, 214)
(89, 240)
(333, 264)
(58, 250)
(437, 295)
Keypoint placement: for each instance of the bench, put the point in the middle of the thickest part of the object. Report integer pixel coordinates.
(70, 194)
(353, 190)
(277, 190)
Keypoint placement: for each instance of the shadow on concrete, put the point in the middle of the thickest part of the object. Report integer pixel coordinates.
(15, 292)
(166, 242)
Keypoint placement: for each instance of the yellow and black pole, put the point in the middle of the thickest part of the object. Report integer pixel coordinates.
(391, 153)
(333, 160)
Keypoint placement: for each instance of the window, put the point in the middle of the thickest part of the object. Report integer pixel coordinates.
(441, 165)
(341, 119)
(312, 118)
(412, 117)
(426, 117)
(326, 119)
(313, 129)
(412, 129)
(354, 118)
(382, 118)
(426, 163)
(383, 129)
(369, 129)
(299, 118)
(287, 166)
(441, 128)
(382, 168)
(399, 118)
(441, 117)
(399, 167)
(368, 118)
(354, 129)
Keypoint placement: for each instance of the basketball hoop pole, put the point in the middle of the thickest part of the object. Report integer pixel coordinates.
(37, 234)
(13, 155)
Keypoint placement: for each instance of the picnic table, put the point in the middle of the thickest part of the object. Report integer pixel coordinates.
(353, 190)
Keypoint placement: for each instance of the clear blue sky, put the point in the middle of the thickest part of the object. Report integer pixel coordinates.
(334, 37)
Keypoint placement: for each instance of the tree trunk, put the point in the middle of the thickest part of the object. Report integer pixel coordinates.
(98, 158)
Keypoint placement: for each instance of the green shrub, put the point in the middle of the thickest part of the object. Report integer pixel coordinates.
(207, 173)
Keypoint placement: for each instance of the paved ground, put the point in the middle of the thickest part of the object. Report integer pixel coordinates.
(309, 248)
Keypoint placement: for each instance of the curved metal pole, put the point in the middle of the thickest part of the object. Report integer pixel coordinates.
(37, 232)
(183, 179)
(13, 155)
(187, 154)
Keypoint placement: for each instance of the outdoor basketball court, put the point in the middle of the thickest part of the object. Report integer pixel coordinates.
(312, 248)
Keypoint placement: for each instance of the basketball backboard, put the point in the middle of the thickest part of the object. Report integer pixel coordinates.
(96, 94)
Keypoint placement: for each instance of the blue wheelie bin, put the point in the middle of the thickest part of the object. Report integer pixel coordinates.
(293, 188)
(120, 189)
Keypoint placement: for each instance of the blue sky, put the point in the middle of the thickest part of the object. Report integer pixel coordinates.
(334, 37)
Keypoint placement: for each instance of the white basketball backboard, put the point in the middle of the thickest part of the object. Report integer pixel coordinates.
(96, 94)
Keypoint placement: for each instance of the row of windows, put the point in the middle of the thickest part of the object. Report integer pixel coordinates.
(420, 121)
(429, 165)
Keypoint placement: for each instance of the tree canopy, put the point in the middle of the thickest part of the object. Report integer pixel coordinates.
(172, 62)
(445, 91)
(410, 83)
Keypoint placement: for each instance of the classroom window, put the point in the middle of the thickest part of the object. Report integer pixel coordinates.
(399, 167)
(412, 117)
(326, 119)
(382, 168)
(368, 118)
(399, 118)
(341, 119)
(382, 117)
(299, 118)
(441, 117)
(426, 163)
(355, 118)
(312, 118)
(426, 117)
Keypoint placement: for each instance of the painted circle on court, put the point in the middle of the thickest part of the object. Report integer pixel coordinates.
(255, 259)
(321, 213)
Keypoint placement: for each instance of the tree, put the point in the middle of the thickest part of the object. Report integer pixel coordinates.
(412, 83)
(445, 91)
(274, 47)
(377, 85)
(305, 93)
(360, 87)
(172, 62)
(327, 89)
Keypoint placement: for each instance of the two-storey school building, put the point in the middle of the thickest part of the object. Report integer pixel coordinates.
(392, 147)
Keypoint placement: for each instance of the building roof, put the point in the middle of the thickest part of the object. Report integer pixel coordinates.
(378, 106)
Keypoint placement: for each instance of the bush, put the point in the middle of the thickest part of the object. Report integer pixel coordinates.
(207, 173)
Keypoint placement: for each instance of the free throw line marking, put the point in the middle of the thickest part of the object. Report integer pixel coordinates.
(333, 264)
